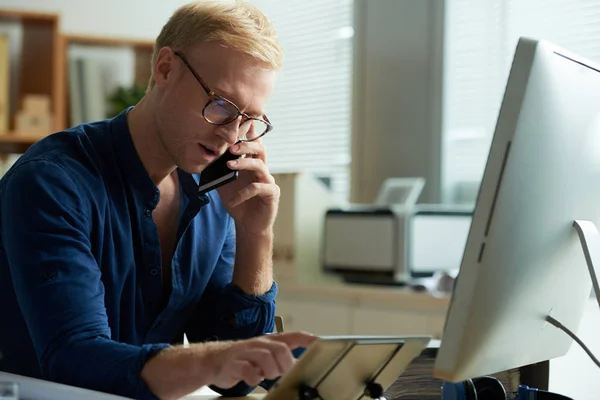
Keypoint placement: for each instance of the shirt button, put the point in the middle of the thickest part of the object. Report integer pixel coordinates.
(155, 196)
(148, 213)
(154, 272)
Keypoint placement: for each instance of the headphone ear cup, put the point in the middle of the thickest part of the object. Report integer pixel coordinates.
(489, 388)
(464, 390)
(470, 390)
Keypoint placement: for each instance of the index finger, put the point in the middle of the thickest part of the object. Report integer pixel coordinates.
(254, 149)
(294, 339)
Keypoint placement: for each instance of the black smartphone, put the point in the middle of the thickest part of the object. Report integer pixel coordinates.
(218, 173)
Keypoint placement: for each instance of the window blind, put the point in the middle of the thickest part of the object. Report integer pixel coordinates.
(480, 40)
(310, 107)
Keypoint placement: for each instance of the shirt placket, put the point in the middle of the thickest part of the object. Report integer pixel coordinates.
(192, 203)
(151, 256)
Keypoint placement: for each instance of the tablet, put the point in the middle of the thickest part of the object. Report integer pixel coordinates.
(348, 367)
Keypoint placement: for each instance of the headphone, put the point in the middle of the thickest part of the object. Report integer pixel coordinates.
(490, 388)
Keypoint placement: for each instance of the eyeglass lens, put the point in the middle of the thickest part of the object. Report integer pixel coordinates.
(221, 112)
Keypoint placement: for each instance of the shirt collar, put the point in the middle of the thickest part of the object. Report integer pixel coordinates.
(133, 169)
(129, 161)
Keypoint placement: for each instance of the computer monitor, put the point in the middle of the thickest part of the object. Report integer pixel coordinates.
(524, 259)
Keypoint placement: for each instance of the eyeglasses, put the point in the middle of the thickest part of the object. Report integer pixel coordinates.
(220, 111)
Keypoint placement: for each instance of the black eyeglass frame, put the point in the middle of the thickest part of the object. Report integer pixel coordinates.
(212, 96)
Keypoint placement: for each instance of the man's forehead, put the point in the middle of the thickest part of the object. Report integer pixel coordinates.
(233, 75)
(218, 59)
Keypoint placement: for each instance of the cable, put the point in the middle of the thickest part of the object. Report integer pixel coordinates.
(574, 337)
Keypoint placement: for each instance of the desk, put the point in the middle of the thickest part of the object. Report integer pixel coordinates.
(352, 309)
(31, 388)
(206, 394)
(217, 397)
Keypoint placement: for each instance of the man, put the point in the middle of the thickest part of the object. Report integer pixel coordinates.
(110, 254)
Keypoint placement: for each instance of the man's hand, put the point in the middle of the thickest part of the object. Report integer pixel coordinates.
(251, 200)
(253, 360)
(176, 372)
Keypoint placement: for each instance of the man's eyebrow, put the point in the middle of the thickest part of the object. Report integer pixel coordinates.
(229, 96)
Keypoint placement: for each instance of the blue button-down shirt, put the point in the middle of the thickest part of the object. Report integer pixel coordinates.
(82, 298)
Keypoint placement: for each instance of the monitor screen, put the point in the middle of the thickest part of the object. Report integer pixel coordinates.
(444, 232)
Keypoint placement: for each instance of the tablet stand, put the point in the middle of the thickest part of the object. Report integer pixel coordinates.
(348, 368)
(306, 392)
(348, 363)
(373, 390)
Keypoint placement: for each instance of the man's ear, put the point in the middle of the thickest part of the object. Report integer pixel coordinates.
(164, 66)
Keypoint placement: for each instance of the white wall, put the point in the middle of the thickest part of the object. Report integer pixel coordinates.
(397, 104)
(575, 375)
(140, 19)
(398, 77)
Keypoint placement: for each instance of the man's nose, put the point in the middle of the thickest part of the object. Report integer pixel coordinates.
(229, 132)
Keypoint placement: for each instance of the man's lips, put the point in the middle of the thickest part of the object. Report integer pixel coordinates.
(210, 149)
(208, 153)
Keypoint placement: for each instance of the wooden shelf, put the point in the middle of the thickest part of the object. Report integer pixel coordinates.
(142, 52)
(40, 71)
(18, 142)
(108, 41)
(20, 15)
(43, 69)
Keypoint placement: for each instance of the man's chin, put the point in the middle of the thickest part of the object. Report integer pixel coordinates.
(194, 168)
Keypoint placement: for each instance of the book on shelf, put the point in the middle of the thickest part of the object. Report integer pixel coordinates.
(94, 73)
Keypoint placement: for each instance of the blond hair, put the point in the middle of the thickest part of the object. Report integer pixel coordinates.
(236, 23)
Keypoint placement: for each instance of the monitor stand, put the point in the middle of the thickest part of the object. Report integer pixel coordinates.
(590, 242)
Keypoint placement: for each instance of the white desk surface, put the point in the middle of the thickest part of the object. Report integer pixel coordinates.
(37, 389)
(217, 397)
(206, 394)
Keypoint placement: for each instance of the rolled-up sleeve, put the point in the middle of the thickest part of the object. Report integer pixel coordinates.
(224, 311)
(46, 236)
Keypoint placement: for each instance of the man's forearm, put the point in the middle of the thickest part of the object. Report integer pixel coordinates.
(236, 366)
(253, 269)
(178, 371)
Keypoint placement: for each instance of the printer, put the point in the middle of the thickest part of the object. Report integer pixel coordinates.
(395, 240)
